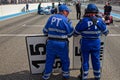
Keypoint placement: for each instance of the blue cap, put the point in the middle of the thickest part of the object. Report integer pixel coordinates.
(64, 7)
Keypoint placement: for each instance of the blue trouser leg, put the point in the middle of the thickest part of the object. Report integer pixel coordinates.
(53, 49)
(95, 56)
(85, 59)
(89, 46)
(50, 57)
(64, 57)
(85, 64)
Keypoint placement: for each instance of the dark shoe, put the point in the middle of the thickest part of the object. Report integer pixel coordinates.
(80, 77)
(45, 79)
(97, 78)
(65, 78)
(80, 20)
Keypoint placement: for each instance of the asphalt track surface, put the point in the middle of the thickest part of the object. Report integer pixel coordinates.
(14, 64)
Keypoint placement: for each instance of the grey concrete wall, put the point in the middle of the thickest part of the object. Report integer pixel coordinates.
(16, 8)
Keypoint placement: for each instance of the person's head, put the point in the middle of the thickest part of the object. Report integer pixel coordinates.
(78, 1)
(108, 3)
(91, 8)
(63, 9)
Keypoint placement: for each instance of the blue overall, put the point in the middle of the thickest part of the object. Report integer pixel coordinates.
(58, 29)
(90, 43)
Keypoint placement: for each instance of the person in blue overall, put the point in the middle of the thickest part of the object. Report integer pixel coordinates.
(90, 29)
(58, 29)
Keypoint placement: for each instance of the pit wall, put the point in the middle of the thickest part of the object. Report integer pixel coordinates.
(17, 8)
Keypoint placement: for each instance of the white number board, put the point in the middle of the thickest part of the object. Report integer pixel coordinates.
(77, 52)
(36, 47)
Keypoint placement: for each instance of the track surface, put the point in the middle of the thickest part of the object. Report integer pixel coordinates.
(14, 63)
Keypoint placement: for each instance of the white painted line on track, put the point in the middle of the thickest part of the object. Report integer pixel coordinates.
(10, 35)
(113, 26)
(116, 25)
(24, 25)
(116, 35)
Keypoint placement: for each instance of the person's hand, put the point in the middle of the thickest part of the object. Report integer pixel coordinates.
(106, 33)
(75, 35)
(69, 20)
(45, 35)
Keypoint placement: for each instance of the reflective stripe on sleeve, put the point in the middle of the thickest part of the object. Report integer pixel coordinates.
(45, 30)
(71, 33)
(77, 32)
(105, 30)
(91, 32)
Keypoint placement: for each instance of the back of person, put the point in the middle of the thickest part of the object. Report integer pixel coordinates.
(90, 28)
(91, 33)
(55, 10)
(58, 29)
(78, 7)
(78, 10)
(107, 9)
(27, 6)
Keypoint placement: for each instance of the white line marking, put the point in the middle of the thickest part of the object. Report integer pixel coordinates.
(116, 35)
(10, 35)
(113, 26)
(24, 25)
